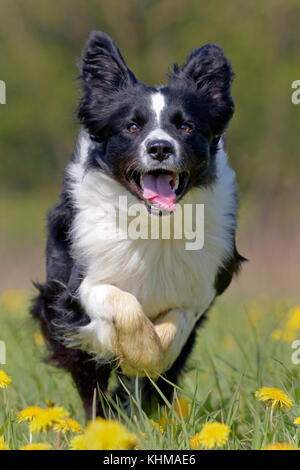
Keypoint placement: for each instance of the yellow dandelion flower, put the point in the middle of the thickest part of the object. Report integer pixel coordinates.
(77, 443)
(280, 446)
(104, 434)
(228, 343)
(276, 334)
(254, 313)
(297, 420)
(293, 321)
(289, 335)
(49, 402)
(3, 446)
(157, 425)
(37, 446)
(48, 418)
(39, 338)
(29, 413)
(13, 300)
(163, 421)
(212, 435)
(67, 425)
(5, 381)
(195, 442)
(275, 396)
(292, 324)
(182, 407)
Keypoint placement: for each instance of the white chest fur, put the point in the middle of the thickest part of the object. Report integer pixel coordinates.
(161, 274)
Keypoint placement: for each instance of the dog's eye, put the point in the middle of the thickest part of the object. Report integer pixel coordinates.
(132, 128)
(185, 128)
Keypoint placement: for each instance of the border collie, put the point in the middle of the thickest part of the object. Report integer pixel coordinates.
(133, 304)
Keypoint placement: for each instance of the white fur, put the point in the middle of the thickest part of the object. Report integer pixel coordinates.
(98, 335)
(161, 274)
(182, 322)
(158, 104)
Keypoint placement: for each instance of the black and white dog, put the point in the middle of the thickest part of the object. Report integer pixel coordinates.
(134, 303)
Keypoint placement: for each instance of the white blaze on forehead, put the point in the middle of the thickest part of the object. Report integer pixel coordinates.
(158, 103)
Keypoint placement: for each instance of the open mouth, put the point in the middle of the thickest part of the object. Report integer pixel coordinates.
(160, 189)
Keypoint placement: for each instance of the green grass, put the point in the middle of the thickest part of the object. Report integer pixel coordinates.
(234, 356)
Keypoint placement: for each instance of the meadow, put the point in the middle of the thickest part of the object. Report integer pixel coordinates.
(243, 346)
(246, 343)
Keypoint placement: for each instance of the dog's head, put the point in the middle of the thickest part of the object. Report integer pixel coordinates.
(157, 142)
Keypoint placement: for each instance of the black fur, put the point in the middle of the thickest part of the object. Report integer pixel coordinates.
(198, 94)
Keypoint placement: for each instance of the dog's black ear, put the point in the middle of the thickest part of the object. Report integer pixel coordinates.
(103, 65)
(208, 73)
(103, 74)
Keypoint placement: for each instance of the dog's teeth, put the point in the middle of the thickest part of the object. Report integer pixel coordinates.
(142, 182)
(176, 183)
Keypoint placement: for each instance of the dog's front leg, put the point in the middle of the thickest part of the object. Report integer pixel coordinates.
(119, 329)
(173, 329)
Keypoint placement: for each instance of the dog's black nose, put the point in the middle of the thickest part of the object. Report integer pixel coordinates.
(160, 149)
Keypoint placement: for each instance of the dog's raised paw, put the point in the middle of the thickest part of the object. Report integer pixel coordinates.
(137, 344)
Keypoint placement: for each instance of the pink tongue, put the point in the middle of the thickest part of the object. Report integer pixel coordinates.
(157, 189)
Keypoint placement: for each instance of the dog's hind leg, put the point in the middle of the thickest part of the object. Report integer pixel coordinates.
(173, 374)
(91, 379)
(87, 374)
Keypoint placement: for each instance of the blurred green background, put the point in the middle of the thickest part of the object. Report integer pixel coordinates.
(40, 44)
